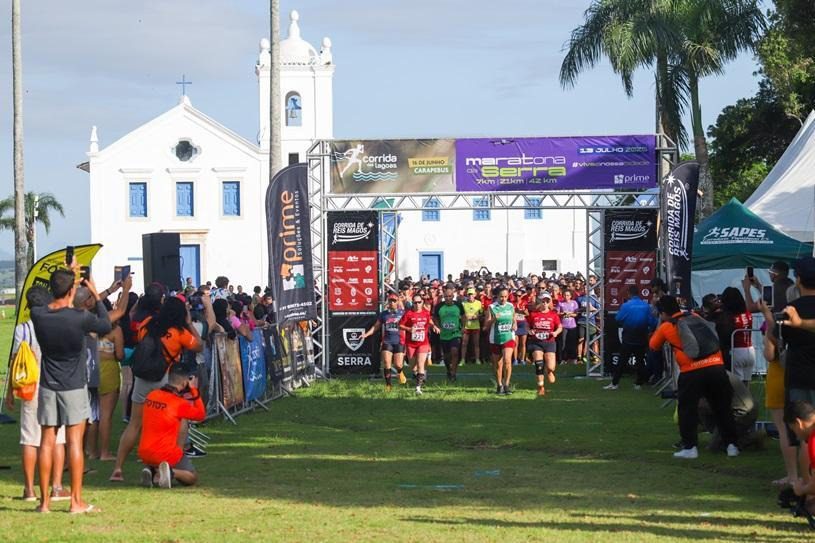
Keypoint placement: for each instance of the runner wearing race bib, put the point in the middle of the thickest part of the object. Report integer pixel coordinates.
(501, 325)
(473, 310)
(449, 318)
(393, 339)
(417, 324)
(544, 328)
(521, 302)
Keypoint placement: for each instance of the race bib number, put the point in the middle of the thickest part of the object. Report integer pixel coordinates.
(417, 334)
(505, 327)
(543, 336)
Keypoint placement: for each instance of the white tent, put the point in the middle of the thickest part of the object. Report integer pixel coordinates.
(786, 198)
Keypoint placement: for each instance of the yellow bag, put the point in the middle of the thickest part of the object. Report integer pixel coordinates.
(25, 371)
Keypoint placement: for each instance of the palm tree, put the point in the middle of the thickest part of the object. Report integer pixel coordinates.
(37, 209)
(715, 32)
(20, 269)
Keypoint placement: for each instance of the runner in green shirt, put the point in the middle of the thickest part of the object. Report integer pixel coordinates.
(501, 325)
(449, 317)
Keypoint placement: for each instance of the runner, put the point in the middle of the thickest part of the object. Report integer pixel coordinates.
(393, 339)
(521, 302)
(544, 328)
(417, 324)
(448, 316)
(473, 311)
(501, 324)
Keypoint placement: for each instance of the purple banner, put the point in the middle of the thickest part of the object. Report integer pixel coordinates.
(570, 163)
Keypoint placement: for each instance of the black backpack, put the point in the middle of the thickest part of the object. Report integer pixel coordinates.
(698, 336)
(149, 362)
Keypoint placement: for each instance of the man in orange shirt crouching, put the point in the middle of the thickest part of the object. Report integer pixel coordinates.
(164, 411)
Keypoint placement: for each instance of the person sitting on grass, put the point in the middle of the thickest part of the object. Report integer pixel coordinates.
(800, 417)
(164, 410)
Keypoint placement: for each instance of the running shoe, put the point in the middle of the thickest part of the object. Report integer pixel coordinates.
(402, 378)
(499, 390)
(688, 454)
(732, 450)
(164, 476)
(59, 494)
(418, 390)
(611, 386)
(194, 452)
(146, 478)
(507, 390)
(541, 390)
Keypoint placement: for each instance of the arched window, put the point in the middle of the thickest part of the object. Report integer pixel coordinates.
(294, 109)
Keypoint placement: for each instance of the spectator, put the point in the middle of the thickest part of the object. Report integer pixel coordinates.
(634, 318)
(63, 391)
(744, 412)
(589, 308)
(737, 346)
(779, 276)
(221, 290)
(800, 416)
(172, 326)
(30, 434)
(702, 378)
(164, 411)
(111, 353)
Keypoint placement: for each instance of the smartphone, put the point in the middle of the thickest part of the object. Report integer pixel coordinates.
(120, 272)
(767, 295)
(750, 272)
(69, 255)
(85, 272)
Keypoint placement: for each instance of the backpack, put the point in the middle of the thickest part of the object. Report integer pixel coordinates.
(148, 361)
(25, 371)
(698, 336)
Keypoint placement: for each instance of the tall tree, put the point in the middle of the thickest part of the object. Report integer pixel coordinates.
(20, 268)
(275, 121)
(38, 207)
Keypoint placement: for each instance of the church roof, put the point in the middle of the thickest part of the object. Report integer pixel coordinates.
(294, 50)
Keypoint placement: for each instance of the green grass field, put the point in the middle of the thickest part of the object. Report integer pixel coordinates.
(344, 461)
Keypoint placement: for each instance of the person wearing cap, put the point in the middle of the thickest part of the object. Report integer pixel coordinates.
(164, 411)
(544, 328)
(501, 325)
(393, 340)
(473, 312)
(417, 323)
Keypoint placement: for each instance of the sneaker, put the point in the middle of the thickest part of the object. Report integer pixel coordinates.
(30, 497)
(195, 452)
(419, 390)
(507, 390)
(499, 390)
(541, 390)
(146, 478)
(637, 387)
(689, 454)
(611, 386)
(402, 378)
(732, 450)
(164, 476)
(59, 494)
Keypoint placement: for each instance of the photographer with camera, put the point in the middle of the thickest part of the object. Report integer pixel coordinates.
(164, 411)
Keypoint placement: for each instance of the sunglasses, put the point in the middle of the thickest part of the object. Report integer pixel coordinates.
(418, 301)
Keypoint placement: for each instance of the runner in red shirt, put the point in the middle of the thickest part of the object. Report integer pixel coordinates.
(417, 325)
(521, 311)
(544, 328)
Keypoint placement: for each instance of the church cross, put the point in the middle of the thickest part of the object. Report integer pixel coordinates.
(183, 84)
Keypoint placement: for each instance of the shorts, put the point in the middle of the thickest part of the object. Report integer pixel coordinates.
(743, 360)
(472, 331)
(774, 388)
(63, 407)
(581, 330)
(497, 349)
(30, 429)
(184, 464)
(394, 348)
(543, 346)
(522, 328)
(448, 345)
(142, 388)
(413, 350)
(110, 376)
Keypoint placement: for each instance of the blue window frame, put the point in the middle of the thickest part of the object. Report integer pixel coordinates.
(533, 214)
(431, 212)
(232, 198)
(138, 199)
(481, 214)
(184, 201)
(294, 110)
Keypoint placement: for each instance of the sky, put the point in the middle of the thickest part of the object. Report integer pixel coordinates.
(404, 68)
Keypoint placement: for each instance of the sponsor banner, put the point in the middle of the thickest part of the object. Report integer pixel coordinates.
(273, 351)
(353, 261)
(253, 365)
(568, 163)
(289, 237)
(392, 166)
(677, 209)
(349, 352)
(625, 269)
(229, 362)
(718, 235)
(631, 229)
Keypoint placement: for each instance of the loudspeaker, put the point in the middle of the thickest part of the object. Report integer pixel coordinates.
(162, 259)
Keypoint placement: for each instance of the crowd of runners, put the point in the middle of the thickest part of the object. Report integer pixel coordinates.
(485, 318)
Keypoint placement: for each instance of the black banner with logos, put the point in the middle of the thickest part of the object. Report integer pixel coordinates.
(289, 237)
(630, 254)
(349, 353)
(353, 262)
(631, 229)
(677, 212)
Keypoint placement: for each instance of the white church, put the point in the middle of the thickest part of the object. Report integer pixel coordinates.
(185, 172)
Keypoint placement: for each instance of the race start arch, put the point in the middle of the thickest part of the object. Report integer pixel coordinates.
(358, 188)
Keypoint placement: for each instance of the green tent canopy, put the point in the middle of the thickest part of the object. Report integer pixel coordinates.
(735, 237)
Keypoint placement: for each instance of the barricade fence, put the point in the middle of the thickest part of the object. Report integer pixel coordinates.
(239, 375)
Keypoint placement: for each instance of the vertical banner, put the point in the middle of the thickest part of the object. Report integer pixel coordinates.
(229, 361)
(353, 261)
(630, 253)
(677, 210)
(253, 365)
(273, 352)
(288, 226)
(350, 353)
